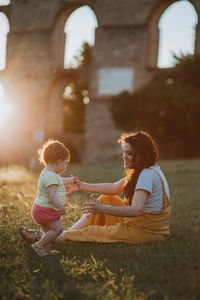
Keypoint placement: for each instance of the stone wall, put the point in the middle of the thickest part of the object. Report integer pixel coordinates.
(125, 52)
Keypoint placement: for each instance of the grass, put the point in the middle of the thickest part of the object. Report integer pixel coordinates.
(98, 271)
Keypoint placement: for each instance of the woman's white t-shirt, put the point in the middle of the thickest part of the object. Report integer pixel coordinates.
(149, 181)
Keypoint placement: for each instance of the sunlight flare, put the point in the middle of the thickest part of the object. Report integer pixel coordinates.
(5, 106)
(5, 109)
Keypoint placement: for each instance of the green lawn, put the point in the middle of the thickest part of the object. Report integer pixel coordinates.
(168, 270)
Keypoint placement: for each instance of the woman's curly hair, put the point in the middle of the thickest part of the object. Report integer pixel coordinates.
(145, 156)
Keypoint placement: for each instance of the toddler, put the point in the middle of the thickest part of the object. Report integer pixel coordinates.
(49, 205)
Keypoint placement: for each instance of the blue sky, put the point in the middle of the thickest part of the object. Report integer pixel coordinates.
(176, 27)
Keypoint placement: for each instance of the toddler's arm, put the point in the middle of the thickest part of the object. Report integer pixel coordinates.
(71, 179)
(54, 199)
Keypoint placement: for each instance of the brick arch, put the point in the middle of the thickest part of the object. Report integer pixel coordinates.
(196, 4)
(153, 31)
(59, 35)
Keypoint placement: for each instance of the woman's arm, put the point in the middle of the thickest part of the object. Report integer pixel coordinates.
(98, 188)
(134, 210)
(102, 188)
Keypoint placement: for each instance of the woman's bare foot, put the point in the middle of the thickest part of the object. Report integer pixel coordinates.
(54, 253)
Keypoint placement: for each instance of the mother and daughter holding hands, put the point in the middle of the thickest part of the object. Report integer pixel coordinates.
(141, 217)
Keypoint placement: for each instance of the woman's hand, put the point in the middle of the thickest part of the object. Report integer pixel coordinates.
(94, 207)
(71, 187)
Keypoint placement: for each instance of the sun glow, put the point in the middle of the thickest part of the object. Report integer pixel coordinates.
(5, 107)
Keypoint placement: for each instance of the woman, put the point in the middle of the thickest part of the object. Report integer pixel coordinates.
(143, 215)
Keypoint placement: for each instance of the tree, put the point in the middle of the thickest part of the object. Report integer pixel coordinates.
(84, 56)
(76, 95)
(74, 106)
(168, 107)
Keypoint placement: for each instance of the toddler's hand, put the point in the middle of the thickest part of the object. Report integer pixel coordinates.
(70, 180)
(74, 179)
(62, 211)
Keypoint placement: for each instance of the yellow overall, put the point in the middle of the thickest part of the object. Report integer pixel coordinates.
(145, 228)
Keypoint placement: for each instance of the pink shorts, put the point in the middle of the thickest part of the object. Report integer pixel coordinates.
(45, 215)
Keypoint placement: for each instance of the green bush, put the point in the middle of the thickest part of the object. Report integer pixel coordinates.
(168, 107)
(74, 107)
(74, 116)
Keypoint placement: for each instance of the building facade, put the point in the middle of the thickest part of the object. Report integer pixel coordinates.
(124, 57)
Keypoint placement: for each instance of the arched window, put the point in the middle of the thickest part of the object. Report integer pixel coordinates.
(79, 28)
(177, 32)
(4, 29)
(4, 2)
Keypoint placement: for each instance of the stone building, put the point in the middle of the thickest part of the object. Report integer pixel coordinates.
(124, 57)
